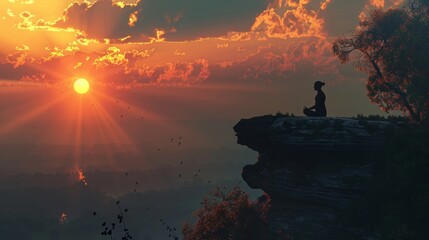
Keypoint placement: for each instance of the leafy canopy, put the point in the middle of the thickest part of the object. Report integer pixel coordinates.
(392, 48)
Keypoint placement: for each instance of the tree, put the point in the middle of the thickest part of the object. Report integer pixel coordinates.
(231, 216)
(392, 48)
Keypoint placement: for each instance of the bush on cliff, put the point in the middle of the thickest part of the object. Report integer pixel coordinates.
(230, 215)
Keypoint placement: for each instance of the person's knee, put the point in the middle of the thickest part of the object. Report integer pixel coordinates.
(307, 112)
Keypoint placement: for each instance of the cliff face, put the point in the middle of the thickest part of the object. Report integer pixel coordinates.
(313, 169)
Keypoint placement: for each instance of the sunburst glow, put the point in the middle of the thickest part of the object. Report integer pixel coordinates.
(81, 86)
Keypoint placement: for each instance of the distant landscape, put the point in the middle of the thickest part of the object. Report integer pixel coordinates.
(160, 194)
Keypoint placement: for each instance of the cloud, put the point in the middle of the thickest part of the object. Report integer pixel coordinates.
(277, 60)
(377, 3)
(10, 13)
(169, 74)
(325, 4)
(179, 19)
(371, 4)
(133, 19)
(179, 73)
(179, 52)
(99, 20)
(20, 57)
(120, 45)
(291, 19)
(113, 67)
(117, 66)
(222, 45)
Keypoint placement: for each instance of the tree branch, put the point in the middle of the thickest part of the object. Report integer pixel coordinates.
(398, 91)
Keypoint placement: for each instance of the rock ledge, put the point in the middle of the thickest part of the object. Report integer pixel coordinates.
(313, 170)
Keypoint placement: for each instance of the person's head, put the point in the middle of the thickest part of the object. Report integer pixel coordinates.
(318, 85)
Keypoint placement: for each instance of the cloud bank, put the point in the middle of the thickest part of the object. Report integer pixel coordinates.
(182, 42)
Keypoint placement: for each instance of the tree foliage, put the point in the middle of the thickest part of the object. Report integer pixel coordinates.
(392, 48)
(230, 215)
(399, 199)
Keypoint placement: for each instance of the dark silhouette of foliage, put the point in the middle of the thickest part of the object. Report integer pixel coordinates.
(398, 204)
(280, 114)
(230, 215)
(391, 118)
(392, 48)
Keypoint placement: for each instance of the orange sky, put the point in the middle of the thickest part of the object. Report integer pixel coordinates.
(46, 40)
(184, 60)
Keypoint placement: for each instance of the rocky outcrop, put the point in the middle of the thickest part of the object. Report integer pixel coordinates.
(313, 169)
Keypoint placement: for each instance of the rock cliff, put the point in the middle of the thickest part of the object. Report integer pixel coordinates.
(313, 169)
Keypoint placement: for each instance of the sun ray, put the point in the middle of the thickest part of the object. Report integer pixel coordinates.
(139, 112)
(155, 119)
(112, 126)
(78, 136)
(28, 116)
(105, 136)
(21, 85)
(133, 108)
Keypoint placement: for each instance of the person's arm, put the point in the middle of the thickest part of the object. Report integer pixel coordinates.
(311, 108)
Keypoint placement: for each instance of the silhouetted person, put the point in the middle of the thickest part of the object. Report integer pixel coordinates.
(319, 108)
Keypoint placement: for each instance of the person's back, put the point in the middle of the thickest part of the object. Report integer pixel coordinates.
(319, 108)
(320, 104)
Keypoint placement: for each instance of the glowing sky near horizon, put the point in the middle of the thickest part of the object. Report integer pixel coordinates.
(181, 59)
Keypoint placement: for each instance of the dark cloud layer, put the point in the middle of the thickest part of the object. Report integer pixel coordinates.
(180, 19)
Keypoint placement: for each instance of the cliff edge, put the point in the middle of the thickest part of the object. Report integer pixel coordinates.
(314, 171)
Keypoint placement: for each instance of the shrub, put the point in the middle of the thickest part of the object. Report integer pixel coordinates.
(232, 216)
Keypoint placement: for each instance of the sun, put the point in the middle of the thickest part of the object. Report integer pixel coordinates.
(81, 86)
